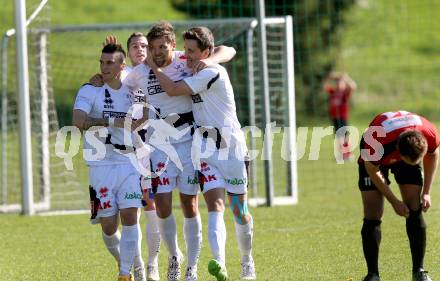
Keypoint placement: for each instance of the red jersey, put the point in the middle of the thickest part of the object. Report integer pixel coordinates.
(338, 102)
(380, 139)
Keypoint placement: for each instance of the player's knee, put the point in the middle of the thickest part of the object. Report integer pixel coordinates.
(190, 209)
(415, 219)
(109, 228)
(150, 206)
(215, 205)
(129, 216)
(240, 209)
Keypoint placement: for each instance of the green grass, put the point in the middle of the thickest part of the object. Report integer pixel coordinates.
(319, 239)
(388, 47)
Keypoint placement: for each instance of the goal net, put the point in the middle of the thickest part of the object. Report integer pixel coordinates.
(62, 58)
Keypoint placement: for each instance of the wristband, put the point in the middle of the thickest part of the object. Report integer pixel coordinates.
(111, 122)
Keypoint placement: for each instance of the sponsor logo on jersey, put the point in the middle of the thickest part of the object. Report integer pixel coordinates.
(160, 181)
(401, 122)
(155, 89)
(202, 179)
(104, 205)
(236, 181)
(138, 96)
(180, 66)
(108, 100)
(151, 76)
(132, 195)
(160, 166)
(196, 98)
(204, 167)
(114, 114)
(103, 191)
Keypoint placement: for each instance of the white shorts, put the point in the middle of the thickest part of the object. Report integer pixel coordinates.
(113, 187)
(172, 167)
(231, 174)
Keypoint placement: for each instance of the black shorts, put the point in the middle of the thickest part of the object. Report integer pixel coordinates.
(339, 123)
(403, 174)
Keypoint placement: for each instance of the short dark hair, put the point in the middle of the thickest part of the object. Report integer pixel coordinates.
(162, 29)
(203, 36)
(114, 48)
(412, 144)
(134, 35)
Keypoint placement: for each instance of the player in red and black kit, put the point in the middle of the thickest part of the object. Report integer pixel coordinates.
(398, 142)
(340, 87)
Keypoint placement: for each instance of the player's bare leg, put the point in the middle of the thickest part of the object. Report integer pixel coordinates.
(244, 233)
(111, 236)
(415, 229)
(373, 202)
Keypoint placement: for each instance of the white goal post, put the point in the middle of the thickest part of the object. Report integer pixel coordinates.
(57, 189)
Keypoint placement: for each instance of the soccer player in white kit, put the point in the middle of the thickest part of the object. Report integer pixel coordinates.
(171, 137)
(137, 53)
(114, 182)
(222, 166)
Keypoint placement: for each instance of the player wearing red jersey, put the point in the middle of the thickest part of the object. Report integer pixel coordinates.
(398, 142)
(340, 87)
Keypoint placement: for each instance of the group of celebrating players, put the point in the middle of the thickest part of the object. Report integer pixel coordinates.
(179, 112)
(178, 109)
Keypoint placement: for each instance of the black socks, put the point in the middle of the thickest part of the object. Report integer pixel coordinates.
(371, 236)
(416, 230)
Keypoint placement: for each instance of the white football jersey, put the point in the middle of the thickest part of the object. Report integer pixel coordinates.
(213, 98)
(105, 102)
(143, 77)
(213, 101)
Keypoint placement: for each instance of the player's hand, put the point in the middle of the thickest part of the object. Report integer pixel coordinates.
(97, 80)
(149, 60)
(111, 39)
(426, 202)
(400, 208)
(201, 64)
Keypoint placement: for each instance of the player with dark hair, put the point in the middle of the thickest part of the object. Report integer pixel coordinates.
(215, 115)
(398, 142)
(137, 53)
(114, 182)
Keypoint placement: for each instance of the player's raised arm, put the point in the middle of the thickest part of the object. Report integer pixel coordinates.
(79, 119)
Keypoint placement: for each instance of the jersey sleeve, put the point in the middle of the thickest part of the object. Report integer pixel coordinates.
(85, 98)
(203, 80)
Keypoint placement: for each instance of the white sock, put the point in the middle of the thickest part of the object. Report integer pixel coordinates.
(138, 261)
(168, 233)
(244, 234)
(153, 237)
(112, 243)
(192, 232)
(129, 247)
(217, 235)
